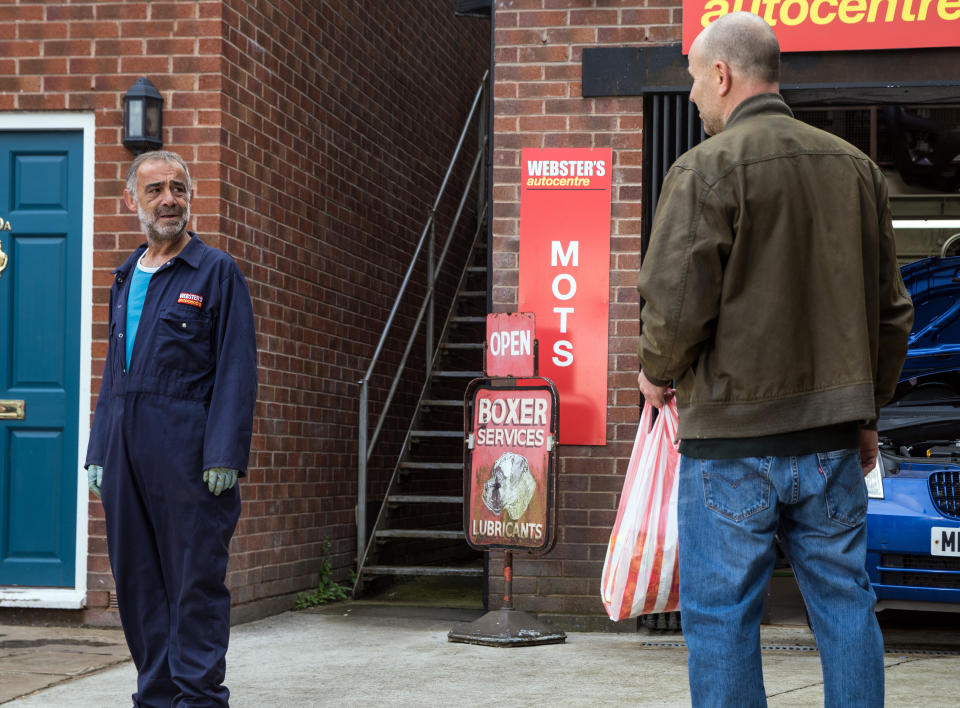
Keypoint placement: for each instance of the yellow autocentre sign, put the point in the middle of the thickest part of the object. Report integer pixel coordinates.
(825, 25)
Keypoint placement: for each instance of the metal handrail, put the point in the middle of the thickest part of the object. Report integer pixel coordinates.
(423, 394)
(365, 447)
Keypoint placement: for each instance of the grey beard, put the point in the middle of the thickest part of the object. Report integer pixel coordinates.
(164, 234)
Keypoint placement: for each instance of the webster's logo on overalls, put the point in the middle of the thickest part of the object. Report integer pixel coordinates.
(191, 299)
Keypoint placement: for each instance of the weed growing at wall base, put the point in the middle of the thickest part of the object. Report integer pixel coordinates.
(328, 590)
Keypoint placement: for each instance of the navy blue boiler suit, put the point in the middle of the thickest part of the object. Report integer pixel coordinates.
(185, 405)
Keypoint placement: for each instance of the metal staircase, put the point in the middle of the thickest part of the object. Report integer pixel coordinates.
(418, 529)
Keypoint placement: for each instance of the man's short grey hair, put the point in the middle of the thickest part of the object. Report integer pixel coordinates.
(165, 156)
(746, 43)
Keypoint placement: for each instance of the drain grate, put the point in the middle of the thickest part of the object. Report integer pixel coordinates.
(805, 648)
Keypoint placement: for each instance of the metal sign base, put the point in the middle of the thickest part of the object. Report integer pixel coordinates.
(506, 628)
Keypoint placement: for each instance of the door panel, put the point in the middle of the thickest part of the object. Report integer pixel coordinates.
(40, 203)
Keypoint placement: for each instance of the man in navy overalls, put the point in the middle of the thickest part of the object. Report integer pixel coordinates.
(170, 435)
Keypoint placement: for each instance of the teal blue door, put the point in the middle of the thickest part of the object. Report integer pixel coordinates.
(41, 182)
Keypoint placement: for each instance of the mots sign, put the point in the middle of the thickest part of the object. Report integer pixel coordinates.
(565, 278)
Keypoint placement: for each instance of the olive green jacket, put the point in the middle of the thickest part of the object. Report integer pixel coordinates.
(773, 296)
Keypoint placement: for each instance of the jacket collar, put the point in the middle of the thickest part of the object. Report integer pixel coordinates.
(191, 254)
(757, 105)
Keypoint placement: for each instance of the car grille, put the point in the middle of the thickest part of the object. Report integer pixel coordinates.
(945, 490)
(911, 564)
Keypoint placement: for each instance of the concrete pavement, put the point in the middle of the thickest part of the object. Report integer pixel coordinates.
(355, 654)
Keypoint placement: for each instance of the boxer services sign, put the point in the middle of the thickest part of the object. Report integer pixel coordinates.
(509, 484)
(565, 278)
(824, 25)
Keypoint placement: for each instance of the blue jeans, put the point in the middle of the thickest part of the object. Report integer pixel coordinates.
(729, 511)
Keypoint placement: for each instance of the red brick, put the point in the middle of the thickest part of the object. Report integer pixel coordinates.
(665, 34)
(66, 83)
(149, 66)
(571, 35)
(594, 17)
(21, 48)
(118, 47)
(41, 102)
(543, 54)
(172, 10)
(93, 65)
(20, 13)
(22, 84)
(518, 37)
(542, 19)
(69, 12)
(621, 35)
(646, 16)
(541, 89)
(94, 30)
(171, 45)
(540, 124)
(198, 28)
(522, 72)
(195, 65)
(70, 48)
(42, 30)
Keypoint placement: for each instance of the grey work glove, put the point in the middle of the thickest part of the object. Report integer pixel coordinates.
(219, 479)
(94, 478)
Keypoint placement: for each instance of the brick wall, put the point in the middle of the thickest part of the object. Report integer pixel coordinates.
(538, 104)
(317, 134)
(338, 121)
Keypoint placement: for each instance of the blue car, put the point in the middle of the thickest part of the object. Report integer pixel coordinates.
(913, 518)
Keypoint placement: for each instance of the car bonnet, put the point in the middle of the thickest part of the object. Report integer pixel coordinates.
(934, 344)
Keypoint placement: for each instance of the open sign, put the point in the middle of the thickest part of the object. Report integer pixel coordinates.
(511, 347)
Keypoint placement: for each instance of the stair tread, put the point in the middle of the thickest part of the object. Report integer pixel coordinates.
(458, 374)
(418, 533)
(431, 465)
(437, 433)
(422, 570)
(443, 402)
(463, 345)
(425, 498)
(469, 318)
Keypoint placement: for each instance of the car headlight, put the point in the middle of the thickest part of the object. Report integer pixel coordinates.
(874, 480)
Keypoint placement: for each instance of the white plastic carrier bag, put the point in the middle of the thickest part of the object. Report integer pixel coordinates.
(640, 573)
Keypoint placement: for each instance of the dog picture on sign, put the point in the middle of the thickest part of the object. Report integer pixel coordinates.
(510, 486)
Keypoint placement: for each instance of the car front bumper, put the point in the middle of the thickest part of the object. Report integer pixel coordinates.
(900, 563)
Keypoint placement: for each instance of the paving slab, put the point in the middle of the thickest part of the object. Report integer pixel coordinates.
(367, 655)
(36, 657)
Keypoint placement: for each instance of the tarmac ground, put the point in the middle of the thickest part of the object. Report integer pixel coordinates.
(378, 654)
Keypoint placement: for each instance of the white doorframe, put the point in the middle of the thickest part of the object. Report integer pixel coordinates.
(75, 597)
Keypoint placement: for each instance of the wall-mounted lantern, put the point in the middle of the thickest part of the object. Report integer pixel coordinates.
(142, 117)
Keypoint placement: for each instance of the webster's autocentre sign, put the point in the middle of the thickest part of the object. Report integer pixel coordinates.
(565, 198)
(824, 25)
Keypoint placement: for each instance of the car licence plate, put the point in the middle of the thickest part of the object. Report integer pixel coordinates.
(944, 541)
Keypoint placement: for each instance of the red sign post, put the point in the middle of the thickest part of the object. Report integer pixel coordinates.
(509, 484)
(565, 278)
